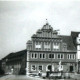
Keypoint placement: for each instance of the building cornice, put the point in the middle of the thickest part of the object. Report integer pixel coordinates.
(54, 51)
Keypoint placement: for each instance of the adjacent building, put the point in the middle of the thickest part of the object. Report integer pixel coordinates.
(47, 49)
(15, 63)
(76, 40)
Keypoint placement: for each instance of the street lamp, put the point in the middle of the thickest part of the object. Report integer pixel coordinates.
(50, 30)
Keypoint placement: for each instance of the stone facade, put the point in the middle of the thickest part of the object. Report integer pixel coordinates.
(46, 49)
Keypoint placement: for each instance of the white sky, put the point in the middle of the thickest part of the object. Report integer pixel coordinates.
(19, 20)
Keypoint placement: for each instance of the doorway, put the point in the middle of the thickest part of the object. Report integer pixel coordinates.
(49, 67)
(71, 68)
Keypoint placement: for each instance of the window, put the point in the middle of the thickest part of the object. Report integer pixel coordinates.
(70, 56)
(65, 47)
(56, 46)
(51, 56)
(47, 45)
(38, 45)
(33, 67)
(73, 56)
(34, 55)
(60, 56)
(42, 55)
(40, 67)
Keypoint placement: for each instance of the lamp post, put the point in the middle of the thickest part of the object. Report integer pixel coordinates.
(50, 30)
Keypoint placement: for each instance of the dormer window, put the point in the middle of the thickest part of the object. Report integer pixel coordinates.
(65, 46)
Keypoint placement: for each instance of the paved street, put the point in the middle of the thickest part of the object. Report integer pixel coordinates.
(19, 77)
(22, 77)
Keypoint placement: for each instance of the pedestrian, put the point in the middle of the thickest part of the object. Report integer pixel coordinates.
(39, 73)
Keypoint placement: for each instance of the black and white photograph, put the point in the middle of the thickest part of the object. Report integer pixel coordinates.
(40, 40)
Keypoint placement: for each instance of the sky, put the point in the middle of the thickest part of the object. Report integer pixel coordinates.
(19, 20)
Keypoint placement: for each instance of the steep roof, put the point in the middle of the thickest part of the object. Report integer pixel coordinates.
(16, 54)
(48, 32)
(69, 41)
(74, 36)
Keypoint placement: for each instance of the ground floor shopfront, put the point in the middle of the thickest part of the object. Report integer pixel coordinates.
(34, 67)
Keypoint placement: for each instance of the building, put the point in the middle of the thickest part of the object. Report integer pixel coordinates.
(47, 49)
(76, 41)
(15, 63)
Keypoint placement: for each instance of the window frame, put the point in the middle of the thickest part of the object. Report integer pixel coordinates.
(39, 66)
(60, 56)
(71, 56)
(48, 46)
(42, 55)
(32, 69)
(38, 44)
(55, 45)
(34, 55)
(51, 55)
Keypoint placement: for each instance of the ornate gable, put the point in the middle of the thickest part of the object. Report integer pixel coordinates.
(46, 31)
